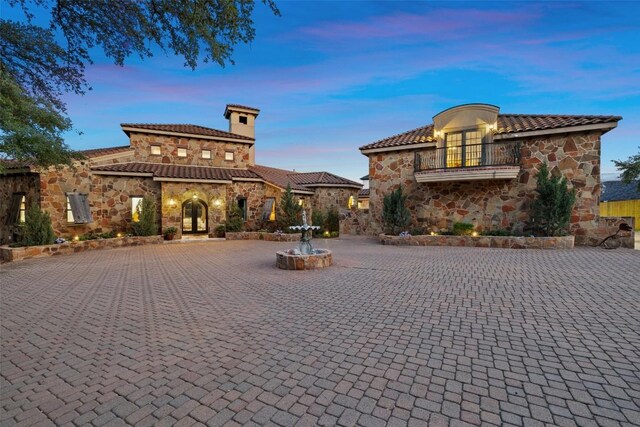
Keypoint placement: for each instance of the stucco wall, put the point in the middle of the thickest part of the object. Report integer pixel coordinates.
(169, 145)
(491, 204)
(27, 183)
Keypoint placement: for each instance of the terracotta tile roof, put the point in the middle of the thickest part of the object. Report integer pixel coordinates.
(301, 181)
(242, 106)
(613, 191)
(163, 170)
(364, 193)
(507, 123)
(186, 129)
(511, 123)
(278, 177)
(95, 152)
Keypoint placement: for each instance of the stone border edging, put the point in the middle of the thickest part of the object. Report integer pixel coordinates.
(509, 242)
(269, 237)
(8, 254)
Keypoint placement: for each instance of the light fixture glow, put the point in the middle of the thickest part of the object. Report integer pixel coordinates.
(119, 234)
(474, 234)
(76, 238)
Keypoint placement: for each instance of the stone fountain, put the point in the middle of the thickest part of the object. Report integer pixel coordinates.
(305, 257)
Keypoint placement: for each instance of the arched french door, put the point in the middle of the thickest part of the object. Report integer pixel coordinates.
(194, 217)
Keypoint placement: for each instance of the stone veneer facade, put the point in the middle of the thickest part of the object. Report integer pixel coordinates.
(491, 204)
(110, 193)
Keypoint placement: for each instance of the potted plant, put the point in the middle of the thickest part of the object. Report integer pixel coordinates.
(169, 232)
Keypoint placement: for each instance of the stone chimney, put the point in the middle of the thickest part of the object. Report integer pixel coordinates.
(242, 122)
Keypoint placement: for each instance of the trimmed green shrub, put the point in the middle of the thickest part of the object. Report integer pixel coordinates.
(234, 220)
(332, 221)
(551, 210)
(289, 211)
(462, 229)
(317, 218)
(220, 230)
(147, 211)
(395, 215)
(36, 229)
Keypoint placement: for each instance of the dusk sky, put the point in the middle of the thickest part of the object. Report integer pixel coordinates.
(330, 77)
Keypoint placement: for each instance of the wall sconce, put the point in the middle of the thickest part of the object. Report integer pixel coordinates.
(195, 196)
(217, 202)
(172, 202)
(300, 202)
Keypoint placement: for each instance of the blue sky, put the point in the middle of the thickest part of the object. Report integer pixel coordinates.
(329, 77)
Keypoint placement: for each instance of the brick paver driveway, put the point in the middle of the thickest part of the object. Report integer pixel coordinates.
(213, 333)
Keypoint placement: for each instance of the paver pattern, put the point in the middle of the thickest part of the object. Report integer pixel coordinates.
(212, 333)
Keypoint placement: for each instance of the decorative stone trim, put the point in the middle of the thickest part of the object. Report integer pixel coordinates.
(258, 235)
(287, 261)
(8, 254)
(510, 242)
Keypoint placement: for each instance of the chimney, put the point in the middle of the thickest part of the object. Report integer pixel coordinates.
(242, 122)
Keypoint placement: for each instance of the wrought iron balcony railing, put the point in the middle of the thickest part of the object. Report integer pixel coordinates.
(468, 156)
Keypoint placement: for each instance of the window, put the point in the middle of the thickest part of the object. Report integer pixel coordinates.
(17, 209)
(463, 149)
(228, 156)
(182, 152)
(351, 202)
(136, 208)
(243, 120)
(269, 209)
(155, 150)
(242, 204)
(206, 154)
(78, 209)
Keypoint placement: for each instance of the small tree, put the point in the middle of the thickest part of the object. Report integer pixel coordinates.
(551, 210)
(395, 215)
(317, 218)
(234, 218)
(37, 229)
(288, 211)
(332, 223)
(146, 224)
(630, 169)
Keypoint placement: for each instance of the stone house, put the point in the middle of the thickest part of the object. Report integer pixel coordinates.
(475, 165)
(193, 172)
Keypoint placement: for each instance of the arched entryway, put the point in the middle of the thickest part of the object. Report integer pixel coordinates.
(195, 218)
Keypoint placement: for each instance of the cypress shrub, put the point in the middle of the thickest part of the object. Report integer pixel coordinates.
(146, 224)
(551, 210)
(37, 229)
(395, 215)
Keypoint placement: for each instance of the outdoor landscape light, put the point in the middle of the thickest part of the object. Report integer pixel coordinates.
(76, 238)
(119, 235)
(474, 234)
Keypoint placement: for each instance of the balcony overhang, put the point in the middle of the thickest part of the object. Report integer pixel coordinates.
(468, 174)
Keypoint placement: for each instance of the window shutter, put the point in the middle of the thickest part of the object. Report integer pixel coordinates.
(80, 208)
(14, 208)
(86, 209)
(266, 209)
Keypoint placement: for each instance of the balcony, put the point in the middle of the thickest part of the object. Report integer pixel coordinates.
(496, 160)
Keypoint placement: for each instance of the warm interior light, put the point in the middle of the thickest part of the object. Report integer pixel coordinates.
(299, 202)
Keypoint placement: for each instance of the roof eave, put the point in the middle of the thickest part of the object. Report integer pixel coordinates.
(605, 127)
(366, 151)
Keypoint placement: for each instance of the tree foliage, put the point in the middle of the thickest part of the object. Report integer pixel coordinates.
(40, 64)
(36, 229)
(289, 211)
(147, 224)
(630, 169)
(395, 214)
(551, 210)
(234, 220)
(332, 221)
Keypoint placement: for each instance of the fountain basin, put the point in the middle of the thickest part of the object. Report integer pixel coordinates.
(293, 260)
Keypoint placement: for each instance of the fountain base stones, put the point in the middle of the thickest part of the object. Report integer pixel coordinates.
(292, 259)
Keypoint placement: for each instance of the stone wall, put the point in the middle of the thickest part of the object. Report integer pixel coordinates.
(355, 221)
(109, 198)
(492, 204)
(169, 145)
(326, 197)
(606, 227)
(8, 254)
(507, 242)
(26, 183)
